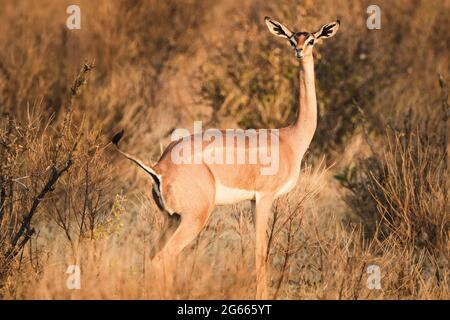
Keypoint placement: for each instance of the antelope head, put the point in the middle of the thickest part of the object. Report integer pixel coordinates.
(302, 42)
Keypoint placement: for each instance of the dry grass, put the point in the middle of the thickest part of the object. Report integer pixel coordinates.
(65, 199)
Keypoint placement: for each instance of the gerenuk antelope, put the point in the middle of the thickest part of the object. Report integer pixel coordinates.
(187, 191)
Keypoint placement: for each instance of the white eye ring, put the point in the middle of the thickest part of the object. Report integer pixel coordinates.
(311, 42)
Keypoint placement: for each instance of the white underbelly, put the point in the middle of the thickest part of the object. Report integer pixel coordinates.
(289, 185)
(227, 195)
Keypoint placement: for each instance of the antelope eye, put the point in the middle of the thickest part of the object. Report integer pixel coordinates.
(311, 42)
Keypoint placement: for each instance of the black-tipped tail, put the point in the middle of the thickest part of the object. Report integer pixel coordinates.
(115, 140)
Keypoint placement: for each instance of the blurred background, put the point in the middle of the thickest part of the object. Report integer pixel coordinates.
(374, 188)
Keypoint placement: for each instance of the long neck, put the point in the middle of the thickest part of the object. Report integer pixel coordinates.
(306, 122)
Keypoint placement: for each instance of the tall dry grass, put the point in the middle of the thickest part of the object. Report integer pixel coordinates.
(161, 65)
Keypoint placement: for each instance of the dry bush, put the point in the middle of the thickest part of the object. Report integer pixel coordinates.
(400, 196)
(82, 202)
(29, 170)
(37, 160)
(32, 161)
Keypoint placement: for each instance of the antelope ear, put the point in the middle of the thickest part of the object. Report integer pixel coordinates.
(328, 30)
(278, 29)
